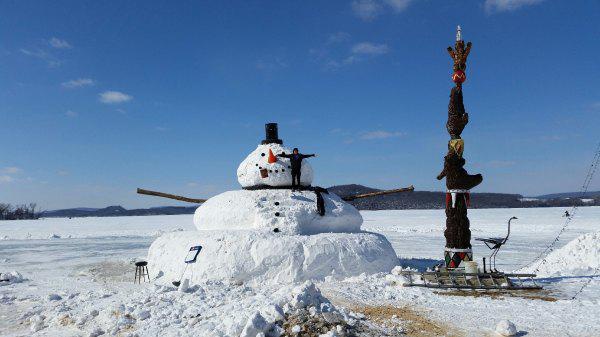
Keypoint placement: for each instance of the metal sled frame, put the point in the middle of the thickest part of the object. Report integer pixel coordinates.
(456, 279)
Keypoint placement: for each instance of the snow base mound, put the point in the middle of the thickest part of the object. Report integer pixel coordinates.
(264, 257)
(579, 257)
(290, 212)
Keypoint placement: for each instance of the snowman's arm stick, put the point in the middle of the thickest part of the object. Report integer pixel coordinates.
(373, 194)
(170, 196)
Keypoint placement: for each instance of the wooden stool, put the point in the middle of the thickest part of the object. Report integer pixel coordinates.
(141, 272)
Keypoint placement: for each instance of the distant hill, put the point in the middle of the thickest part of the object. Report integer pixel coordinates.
(117, 211)
(407, 200)
(588, 195)
(433, 200)
(422, 199)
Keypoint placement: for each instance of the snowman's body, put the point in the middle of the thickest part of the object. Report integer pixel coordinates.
(269, 233)
(266, 205)
(279, 171)
(289, 212)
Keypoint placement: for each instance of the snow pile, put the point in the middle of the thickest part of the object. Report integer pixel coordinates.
(11, 277)
(209, 309)
(290, 212)
(279, 173)
(579, 257)
(265, 257)
(506, 328)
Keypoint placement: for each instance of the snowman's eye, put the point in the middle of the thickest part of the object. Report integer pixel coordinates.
(260, 167)
(256, 164)
(262, 154)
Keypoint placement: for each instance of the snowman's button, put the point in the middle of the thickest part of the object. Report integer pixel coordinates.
(282, 170)
(276, 203)
(276, 171)
(276, 213)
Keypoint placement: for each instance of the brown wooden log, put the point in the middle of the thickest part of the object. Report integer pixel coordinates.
(170, 196)
(373, 194)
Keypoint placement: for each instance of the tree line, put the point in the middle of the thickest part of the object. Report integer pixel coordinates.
(19, 212)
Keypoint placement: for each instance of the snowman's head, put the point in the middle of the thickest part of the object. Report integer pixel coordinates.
(264, 166)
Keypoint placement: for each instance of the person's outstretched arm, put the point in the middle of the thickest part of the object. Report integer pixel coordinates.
(308, 155)
(282, 154)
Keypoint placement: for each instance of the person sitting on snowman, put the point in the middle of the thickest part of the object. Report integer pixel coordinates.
(296, 164)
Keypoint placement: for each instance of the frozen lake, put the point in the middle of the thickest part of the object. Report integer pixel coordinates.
(93, 254)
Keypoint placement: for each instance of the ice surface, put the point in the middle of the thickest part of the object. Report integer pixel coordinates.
(264, 257)
(279, 173)
(290, 212)
(93, 273)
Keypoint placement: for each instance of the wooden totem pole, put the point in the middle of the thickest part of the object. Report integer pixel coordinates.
(458, 181)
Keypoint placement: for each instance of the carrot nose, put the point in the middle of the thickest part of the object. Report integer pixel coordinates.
(272, 159)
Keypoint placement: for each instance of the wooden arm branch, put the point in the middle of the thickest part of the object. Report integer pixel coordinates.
(373, 194)
(170, 196)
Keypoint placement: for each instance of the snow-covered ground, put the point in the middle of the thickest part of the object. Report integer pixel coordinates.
(78, 277)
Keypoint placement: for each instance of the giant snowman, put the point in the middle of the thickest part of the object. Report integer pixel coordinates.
(268, 233)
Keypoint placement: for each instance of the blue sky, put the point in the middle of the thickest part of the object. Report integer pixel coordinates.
(98, 98)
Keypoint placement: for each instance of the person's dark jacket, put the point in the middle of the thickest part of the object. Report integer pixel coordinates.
(296, 159)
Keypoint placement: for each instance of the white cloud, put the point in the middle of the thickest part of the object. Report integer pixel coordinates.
(380, 134)
(398, 5)
(71, 113)
(369, 48)
(492, 6)
(366, 10)
(78, 83)
(38, 53)
(6, 179)
(338, 37)
(62, 173)
(11, 170)
(114, 97)
(52, 61)
(192, 184)
(359, 52)
(59, 43)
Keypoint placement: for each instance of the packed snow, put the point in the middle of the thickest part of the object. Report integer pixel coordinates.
(291, 212)
(82, 283)
(265, 257)
(267, 235)
(278, 173)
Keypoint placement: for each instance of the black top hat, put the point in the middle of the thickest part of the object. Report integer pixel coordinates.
(271, 134)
